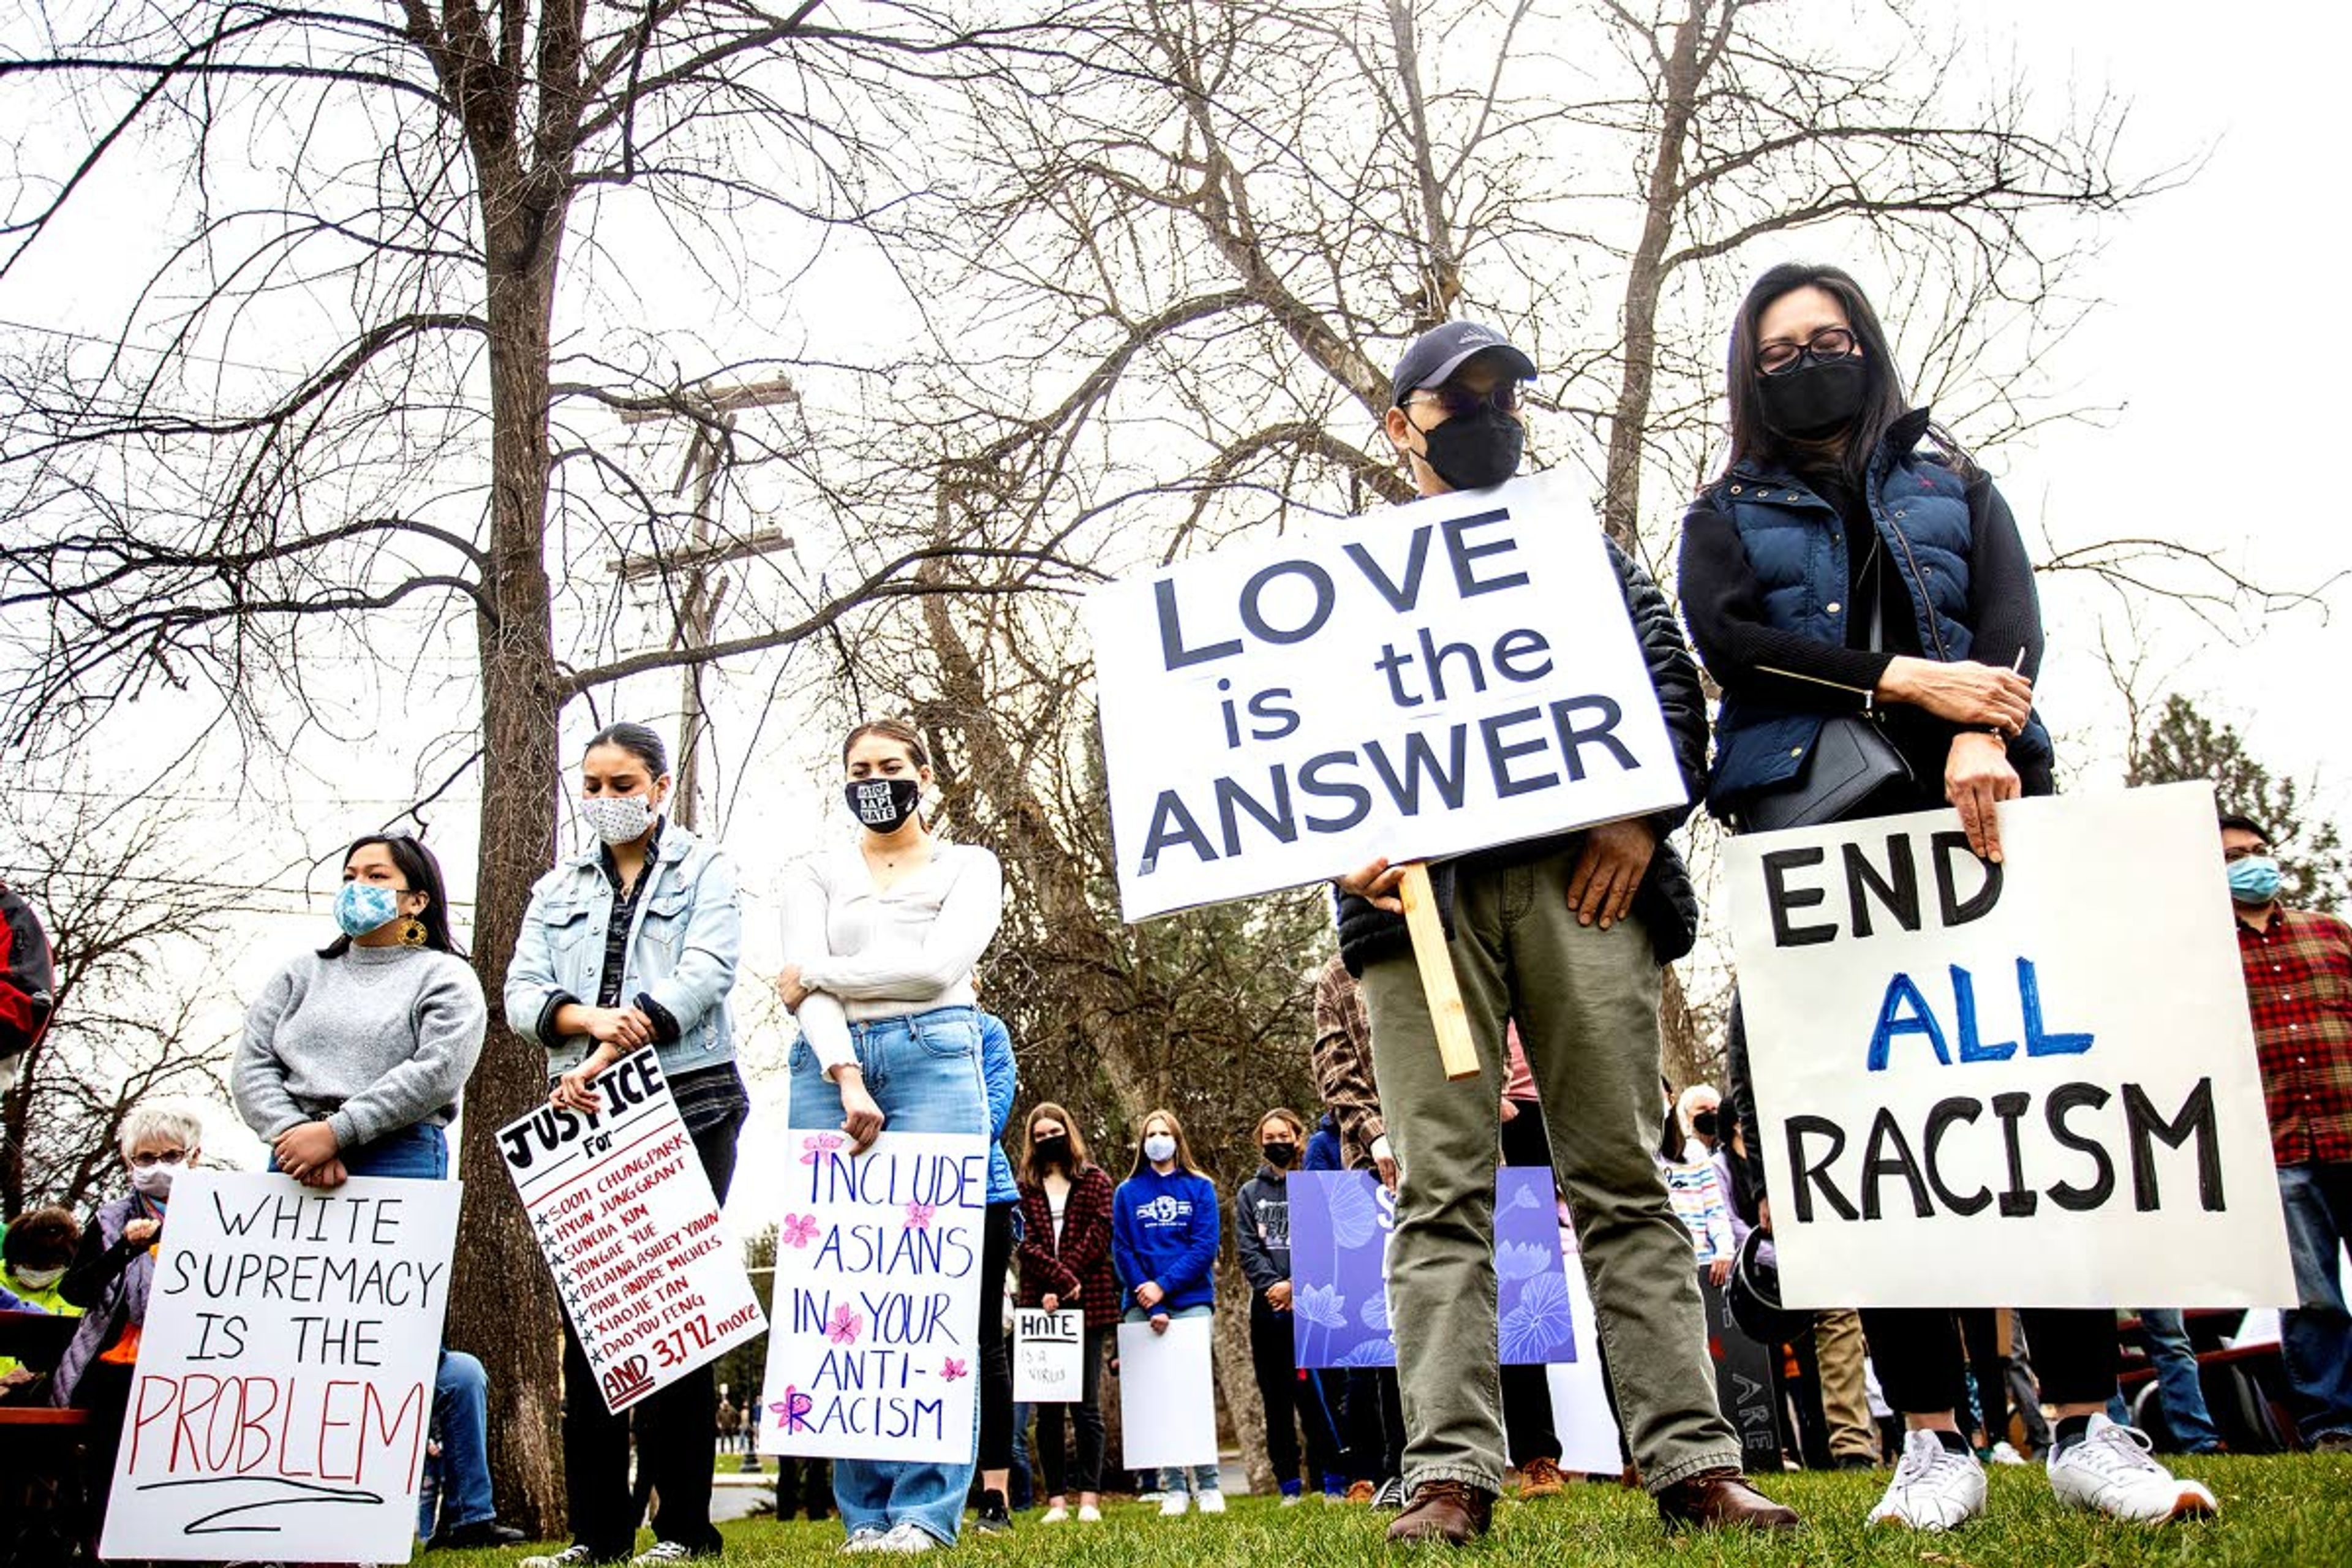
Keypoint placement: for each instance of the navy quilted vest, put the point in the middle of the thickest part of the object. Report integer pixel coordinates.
(1796, 546)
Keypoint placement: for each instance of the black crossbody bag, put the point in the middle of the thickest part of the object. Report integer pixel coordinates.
(1851, 761)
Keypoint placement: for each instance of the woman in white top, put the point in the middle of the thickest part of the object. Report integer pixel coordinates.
(880, 936)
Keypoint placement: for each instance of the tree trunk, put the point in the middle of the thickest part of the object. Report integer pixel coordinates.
(502, 1302)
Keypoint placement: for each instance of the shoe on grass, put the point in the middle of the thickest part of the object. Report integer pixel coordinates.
(1444, 1512)
(994, 1520)
(2108, 1470)
(1213, 1501)
(1935, 1488)
(1175, 1503)
(865, 1537)
(1361, 1492)
(662, 1554)
(1054, 1514)
(907, 1538)
(1391, 1493)
(2003, 1453)
(1089, 1514)
(573, 1556)
(1541, 1477)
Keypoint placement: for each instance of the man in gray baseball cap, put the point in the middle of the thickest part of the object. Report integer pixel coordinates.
(1565, 937)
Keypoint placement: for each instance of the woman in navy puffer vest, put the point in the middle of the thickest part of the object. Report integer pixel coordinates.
(1841, 508)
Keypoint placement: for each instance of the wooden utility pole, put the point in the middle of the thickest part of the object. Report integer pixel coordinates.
(713, 412)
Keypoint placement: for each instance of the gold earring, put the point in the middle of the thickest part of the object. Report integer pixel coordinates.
(412, 934)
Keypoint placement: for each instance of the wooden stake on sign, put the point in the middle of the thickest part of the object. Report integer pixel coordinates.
(1437, 983)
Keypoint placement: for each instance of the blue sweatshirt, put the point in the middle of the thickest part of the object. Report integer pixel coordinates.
(1164, 1230)
(1001, 1080)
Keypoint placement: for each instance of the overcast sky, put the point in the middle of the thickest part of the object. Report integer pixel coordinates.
(2221, 324)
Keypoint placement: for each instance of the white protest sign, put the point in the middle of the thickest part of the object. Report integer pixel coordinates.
(2025, 1085)
(1167, 1397)
(1581, 1417)
(630, 1230)
(1423, 681)
(284, 1386)
(1048, 1355)
(875, 1349)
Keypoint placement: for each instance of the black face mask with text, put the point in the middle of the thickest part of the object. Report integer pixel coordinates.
(882, 803)
(1814, 400)
(1471, 451)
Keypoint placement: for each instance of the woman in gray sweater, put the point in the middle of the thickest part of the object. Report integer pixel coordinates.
(354, 1056)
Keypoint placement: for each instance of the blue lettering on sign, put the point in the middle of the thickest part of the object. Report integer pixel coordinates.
(1905, 1010)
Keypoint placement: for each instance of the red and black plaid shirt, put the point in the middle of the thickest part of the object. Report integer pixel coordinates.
(2299, 982)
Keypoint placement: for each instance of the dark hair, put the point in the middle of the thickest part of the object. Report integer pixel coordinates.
(897, 730)
(1883, 401)
(1032, 1171)
(638, 740)
(2245, 825)
(422, 874)
(42, 1238)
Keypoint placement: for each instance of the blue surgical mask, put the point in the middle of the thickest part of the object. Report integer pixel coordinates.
(2254, 880)
(363, 907)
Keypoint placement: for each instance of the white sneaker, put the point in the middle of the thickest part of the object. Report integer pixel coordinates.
(1055, 1515)
(1174, 1503)
(2002, 1454)
(572, 1556)
(1213, 1501)
(1153, 1496)
(865, 1537)
(2109, 1471)
(662, 1553)
(1292, 1500)
(1089, 1514)
(905, 1540)
(1933, 1488)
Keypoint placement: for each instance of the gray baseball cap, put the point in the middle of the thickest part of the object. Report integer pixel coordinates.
(1438, 353)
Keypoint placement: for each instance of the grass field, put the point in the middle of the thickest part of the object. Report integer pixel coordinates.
(2275, 1513)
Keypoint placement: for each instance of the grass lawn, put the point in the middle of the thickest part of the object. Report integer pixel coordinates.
(2282, 1512)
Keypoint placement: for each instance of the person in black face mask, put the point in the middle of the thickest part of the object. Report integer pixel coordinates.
(1262, 1236)
(1858, 587)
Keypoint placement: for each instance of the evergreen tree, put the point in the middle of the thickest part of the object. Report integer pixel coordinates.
(2182, 743)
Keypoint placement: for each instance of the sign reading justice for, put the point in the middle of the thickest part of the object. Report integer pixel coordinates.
(2031, 1084)
(1425, 680)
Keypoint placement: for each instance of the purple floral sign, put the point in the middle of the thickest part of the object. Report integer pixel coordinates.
(1339, 1224)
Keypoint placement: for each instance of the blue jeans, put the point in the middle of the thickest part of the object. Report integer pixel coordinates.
(2165, 1333)
(2316, 1336)
(924, 1072)
(1180, 1477)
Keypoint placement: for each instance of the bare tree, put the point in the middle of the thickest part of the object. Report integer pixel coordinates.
(139, 1007)
(406, 200)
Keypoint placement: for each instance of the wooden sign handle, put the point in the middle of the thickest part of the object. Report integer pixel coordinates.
(1454, 1048)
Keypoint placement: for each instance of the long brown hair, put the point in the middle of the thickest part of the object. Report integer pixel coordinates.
(1033, 1174)
(1883, 401)
(1184, 1160)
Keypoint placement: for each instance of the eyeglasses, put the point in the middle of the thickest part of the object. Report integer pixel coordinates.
(1457, 399)
(1829, 344)
(168, 1157)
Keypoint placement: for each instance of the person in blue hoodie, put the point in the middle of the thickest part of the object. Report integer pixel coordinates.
(1000, 1080)
(1164, 1223)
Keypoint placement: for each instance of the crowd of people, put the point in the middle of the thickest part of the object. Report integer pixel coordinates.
(1852, 580)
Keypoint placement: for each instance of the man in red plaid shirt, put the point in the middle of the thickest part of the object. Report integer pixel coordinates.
(2298, 967)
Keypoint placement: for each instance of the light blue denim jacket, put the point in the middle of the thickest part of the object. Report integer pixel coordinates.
(682, 947)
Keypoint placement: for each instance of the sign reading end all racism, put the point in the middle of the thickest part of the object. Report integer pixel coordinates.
(1428, 679)
(2026, 1084)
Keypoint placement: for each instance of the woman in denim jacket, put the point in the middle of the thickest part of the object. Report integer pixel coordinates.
(632, 944)
(880, 937)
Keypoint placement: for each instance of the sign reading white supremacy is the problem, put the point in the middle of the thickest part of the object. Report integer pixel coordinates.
(2031, 1084)
(630, 1233)
(283, 1394)
(1423, 681)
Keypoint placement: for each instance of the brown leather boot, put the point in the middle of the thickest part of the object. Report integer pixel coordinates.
(1541, 1478)
(1713, 1499)
(1454, 1513)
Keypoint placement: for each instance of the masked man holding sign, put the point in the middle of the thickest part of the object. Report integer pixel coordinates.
(1565, 935)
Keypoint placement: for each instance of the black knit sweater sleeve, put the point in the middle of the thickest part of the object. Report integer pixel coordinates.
(1748, 657)
(2003, 607)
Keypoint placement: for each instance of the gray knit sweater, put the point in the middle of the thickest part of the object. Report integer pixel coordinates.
(376, 1040)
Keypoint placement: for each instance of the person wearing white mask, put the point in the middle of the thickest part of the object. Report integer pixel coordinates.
(110, 1279)
(631, 944)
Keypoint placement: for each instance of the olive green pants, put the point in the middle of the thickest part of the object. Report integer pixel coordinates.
(1587, 1005)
